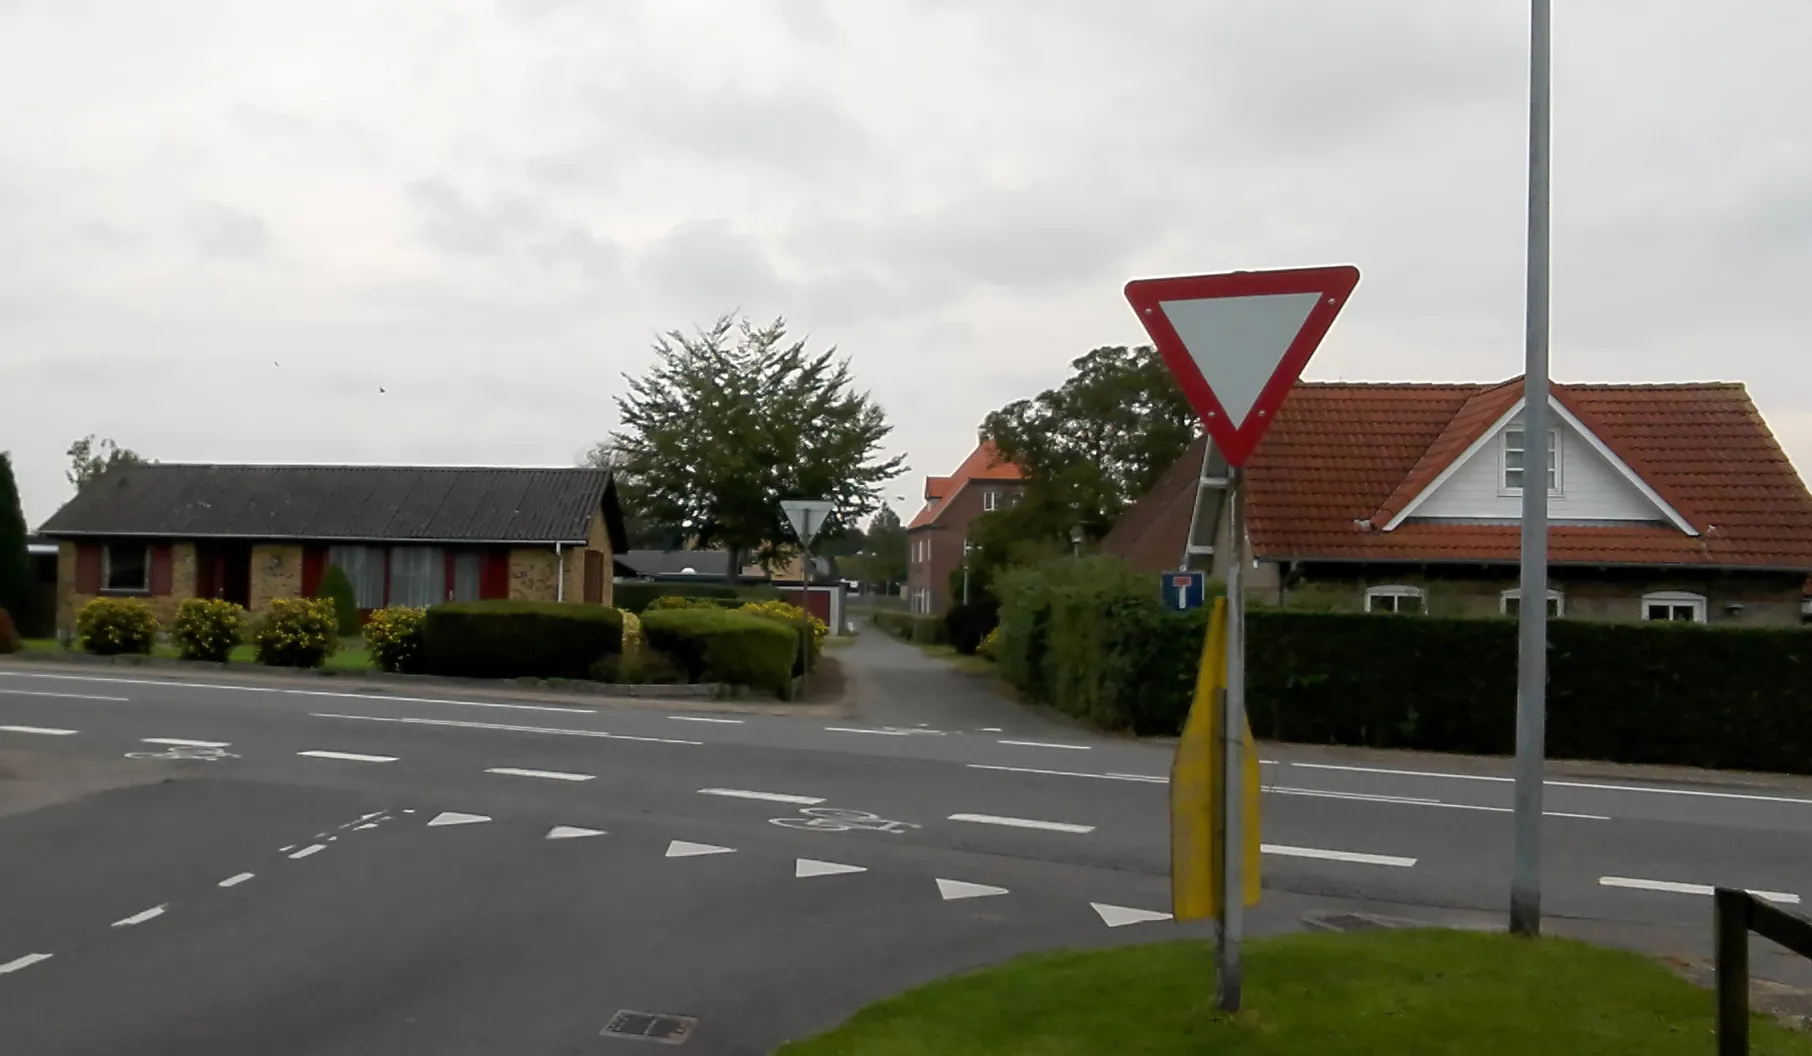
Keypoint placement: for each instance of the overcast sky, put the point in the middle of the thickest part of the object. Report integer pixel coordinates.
(225, 225)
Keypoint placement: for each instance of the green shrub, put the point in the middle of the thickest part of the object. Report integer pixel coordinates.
(733, 648)
(683, 601)
(966, 625)
(642, 667)
(110, 626)
(296, 632)
(519, 639)
(636, 596)
(207, 629)
(336, 588)
(9, 635)
(912, 627)
(792, 616)
(394, 638)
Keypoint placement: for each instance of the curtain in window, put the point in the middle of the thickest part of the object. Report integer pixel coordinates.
(418, 576)
(468, 574)
(364, 565)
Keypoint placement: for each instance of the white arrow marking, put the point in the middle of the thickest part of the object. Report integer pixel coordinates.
(23, 962)
(1119, 916)
(454, 817)
(571, 832)
(682, 849)
(140, 917)
(954, 889)
(813, 867)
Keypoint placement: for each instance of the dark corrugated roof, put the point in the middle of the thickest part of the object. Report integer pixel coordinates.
(371, 503)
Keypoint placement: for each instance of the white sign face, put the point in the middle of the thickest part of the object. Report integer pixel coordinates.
(1237, 342)
(807, 516)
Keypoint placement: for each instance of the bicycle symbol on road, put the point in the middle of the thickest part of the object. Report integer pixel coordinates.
(186, 752)
(836, 819)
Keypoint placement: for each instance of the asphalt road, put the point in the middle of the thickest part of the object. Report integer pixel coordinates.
(299, 867)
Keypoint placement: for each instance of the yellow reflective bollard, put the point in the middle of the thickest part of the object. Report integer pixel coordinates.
(1196, 836)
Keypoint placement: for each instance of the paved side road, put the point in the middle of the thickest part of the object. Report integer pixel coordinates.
(896, 684)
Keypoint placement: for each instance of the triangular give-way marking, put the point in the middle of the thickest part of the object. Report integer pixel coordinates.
(954, 889)
(813, 867)
(1118, 916)
(571, 832)
(454, 817)
(682, 849)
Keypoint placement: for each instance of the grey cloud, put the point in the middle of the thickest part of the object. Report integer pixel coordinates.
(226, 233)
(709, 266)
(797, 130)
(507, 224)
(340, 138)
(809, 20)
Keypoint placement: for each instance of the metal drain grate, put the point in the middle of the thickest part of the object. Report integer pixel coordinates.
(650, 1026)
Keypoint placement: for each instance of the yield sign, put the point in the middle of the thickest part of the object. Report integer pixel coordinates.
(1237, 342)
(807, 516)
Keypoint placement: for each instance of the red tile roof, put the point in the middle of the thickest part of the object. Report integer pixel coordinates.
(1343, 459)
(984, 463)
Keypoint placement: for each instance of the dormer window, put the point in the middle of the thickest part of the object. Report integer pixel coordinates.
(1516, 461)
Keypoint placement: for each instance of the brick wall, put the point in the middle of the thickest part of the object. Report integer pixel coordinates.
(532, 574)
(946, 536)
(163, 606)
(276, 573)
(597, 539)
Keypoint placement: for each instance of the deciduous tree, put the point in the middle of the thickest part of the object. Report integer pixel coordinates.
(88, 460)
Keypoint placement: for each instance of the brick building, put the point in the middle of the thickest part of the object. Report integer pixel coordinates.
(405, 535)
(1665, 502)
(983, 483)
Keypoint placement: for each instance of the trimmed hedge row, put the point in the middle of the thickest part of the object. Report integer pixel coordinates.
(912, 627)
(718, 645)
(634, 596)
(517, 639)
(1096, 643)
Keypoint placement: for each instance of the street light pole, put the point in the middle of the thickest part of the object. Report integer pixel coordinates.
(1532, 606)
(966, 549)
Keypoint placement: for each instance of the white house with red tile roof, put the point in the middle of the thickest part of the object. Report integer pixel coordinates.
(1666, 501)
(983, 483)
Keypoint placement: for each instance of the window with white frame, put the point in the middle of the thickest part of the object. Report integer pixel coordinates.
(1510, 603)
(1395, 597)
(126, 567)
(364, 565)
(1676, 605)
(991, 500)
(1516, 461)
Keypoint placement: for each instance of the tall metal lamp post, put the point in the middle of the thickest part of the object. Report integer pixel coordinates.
(1076, 541)
(968, 548)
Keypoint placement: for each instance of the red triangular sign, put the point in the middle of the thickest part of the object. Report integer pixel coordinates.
(1237, 342)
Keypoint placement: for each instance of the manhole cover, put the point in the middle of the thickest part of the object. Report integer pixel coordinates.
(650, 1026)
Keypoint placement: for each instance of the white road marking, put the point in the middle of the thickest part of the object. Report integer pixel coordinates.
(1419, 802)
(363, 827)
(286, 850)
(313, 848)
(864, 729)
(955, 889)
(1120, 916)
(24, 962)
(1337, 856)
(140, 917)
(571, 832)
(1675, 888)
(454, 817)
(1141, 778)
(141, 682)
(551, 775)
(991, 729)
(47, 731)
(505, 728)
(182, 742)
(705, 718)
(437, 700)
(64, 696)
(683, 849)
(1593, 785)
(1047, 744)
(812, 867)
(235, 880)
(1022, 823)
(350, 757)
(770, 797)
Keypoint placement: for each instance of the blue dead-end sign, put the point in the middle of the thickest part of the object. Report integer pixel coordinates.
(1184, 590)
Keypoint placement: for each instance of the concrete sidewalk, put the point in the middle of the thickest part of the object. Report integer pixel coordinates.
(896, 684)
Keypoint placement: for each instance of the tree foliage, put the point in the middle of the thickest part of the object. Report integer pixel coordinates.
(16, 580)
(882, 560)
(88, 460)
(734, 418)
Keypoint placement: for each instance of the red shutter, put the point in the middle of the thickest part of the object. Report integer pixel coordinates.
(88, 568)
(314, 566)
(494, 584)
(160, 569)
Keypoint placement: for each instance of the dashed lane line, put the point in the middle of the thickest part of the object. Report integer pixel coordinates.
(139, 918)
(1353, 857)
(705, 718)
(313, 848)
(504, 727)
(64, 696)
(24, 962)
(184, 742)
(1023, 823)
(770, 797)
(235, 880)
(550, 775)
(1148, 779)
(45, 731)
(349, 757)
(1676, 888)
(1048, 744)
(1597, 786)
(865, 729)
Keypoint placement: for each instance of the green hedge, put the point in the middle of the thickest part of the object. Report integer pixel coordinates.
(718, 645)
(635, 595)
(912, 627)
(517, 639)
(966, 625)
(1095, 642)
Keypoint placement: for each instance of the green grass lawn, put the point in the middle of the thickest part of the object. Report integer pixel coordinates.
(1417, 991)
(349, 658)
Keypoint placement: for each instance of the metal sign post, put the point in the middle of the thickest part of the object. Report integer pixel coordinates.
(807, 516)
(1233, 767)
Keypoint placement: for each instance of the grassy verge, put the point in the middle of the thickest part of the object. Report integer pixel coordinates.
(349, 658)
(1423, 992)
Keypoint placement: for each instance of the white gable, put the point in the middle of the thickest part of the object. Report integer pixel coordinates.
(1594, 486)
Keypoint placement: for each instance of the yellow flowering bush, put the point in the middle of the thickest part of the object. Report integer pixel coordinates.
(108, 626)
(633, 642)
(782, 612)
(394, 636)
(207, 629)
(989, 649)
(297, 632)
(680, 601)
